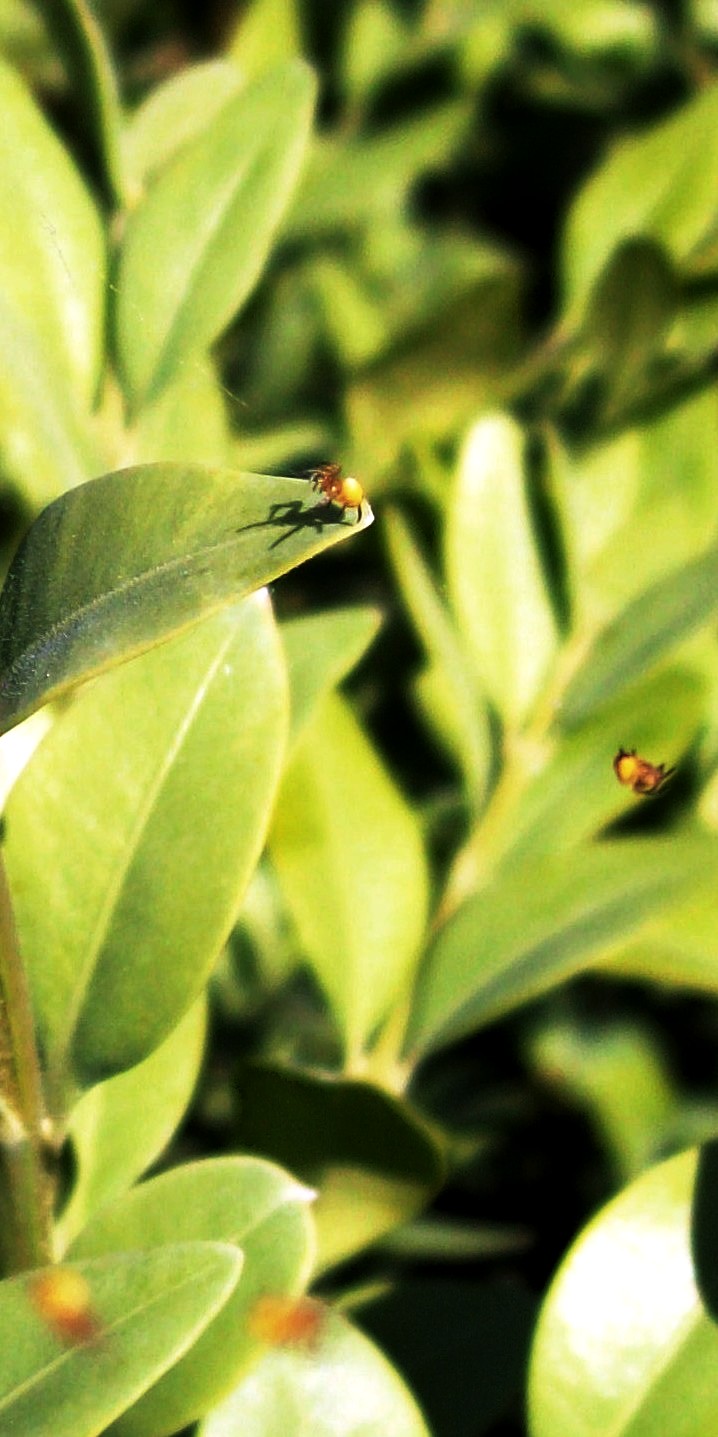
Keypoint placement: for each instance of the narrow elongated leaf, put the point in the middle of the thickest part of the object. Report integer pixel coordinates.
(494, 572)
(119, 1127)
(124, 562)
(642, 634)
(350, 860)
(543, 920)
(196, 245)
(52, 256)
(624, 1344)
(243, 1201)
(468, 719)
(320, 650)
(143, 1310)
(81, 42)
(339, 1383)
(132, 833)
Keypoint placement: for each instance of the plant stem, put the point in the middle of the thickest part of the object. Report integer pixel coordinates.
(25, 1183)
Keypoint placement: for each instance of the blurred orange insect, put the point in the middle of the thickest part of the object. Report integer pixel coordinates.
(337, 488)
(638, 774)
(63, 1300)
(287, 1321)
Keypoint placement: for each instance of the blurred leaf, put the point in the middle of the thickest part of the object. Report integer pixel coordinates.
(595, 1066)
(81, 42)
(462, 1345)
(250, 1204)
(375, 43)
(678, 947)
(494, 571)
(119, 1127)
(371, 1157)
(624, 1344)
(349, 182)
(123, 902)
(703, 1226)
(43, 446)
(320, 650)
(349, 856)
(641, 634)
(187, 423)
(543, 920)
(267, 33)
(433, 1239)
(124, 562)
(176, 112)
(194, 248)
(149, 1308)
(635, 507)
(660, 185)
(465, 714)
(52, 255)
(575, 794)
(631, 306)
(340, 1384)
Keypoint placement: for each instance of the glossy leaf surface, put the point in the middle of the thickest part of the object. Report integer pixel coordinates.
(145, 1310)
(124, 562)
(123, 903)
(242, 1201)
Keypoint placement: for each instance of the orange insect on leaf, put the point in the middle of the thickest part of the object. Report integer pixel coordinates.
(637, 773)
(63, 1299)
(287, 1321)
(337, 488)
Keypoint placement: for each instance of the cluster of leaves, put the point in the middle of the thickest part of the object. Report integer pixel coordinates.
(216, 286)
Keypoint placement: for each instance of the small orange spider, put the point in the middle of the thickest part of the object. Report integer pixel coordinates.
(336, 488)
(638, 774)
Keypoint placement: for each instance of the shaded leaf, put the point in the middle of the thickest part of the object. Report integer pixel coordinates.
(371, 1157)
(320, 649)
(176, 111)
(124, 562)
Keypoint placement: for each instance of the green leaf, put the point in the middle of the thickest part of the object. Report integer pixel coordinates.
(44, 448)
(122, 900)
(81, 43)
(242, 1201)
(119, 1127)
(624, 1344)
(340, 1384)
(187, 422)
(678, 947)
(349, 857)
(176, 112)
(464, 707)
(52, 256)
(575, 794)
(320, 650)
(543, 920)
(195, 247)
(126, 561)
(372, 1159)
(494, 572)
(660, 185)
(268, 31)
(348, 182)
(638, 637)
(149, 1308)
